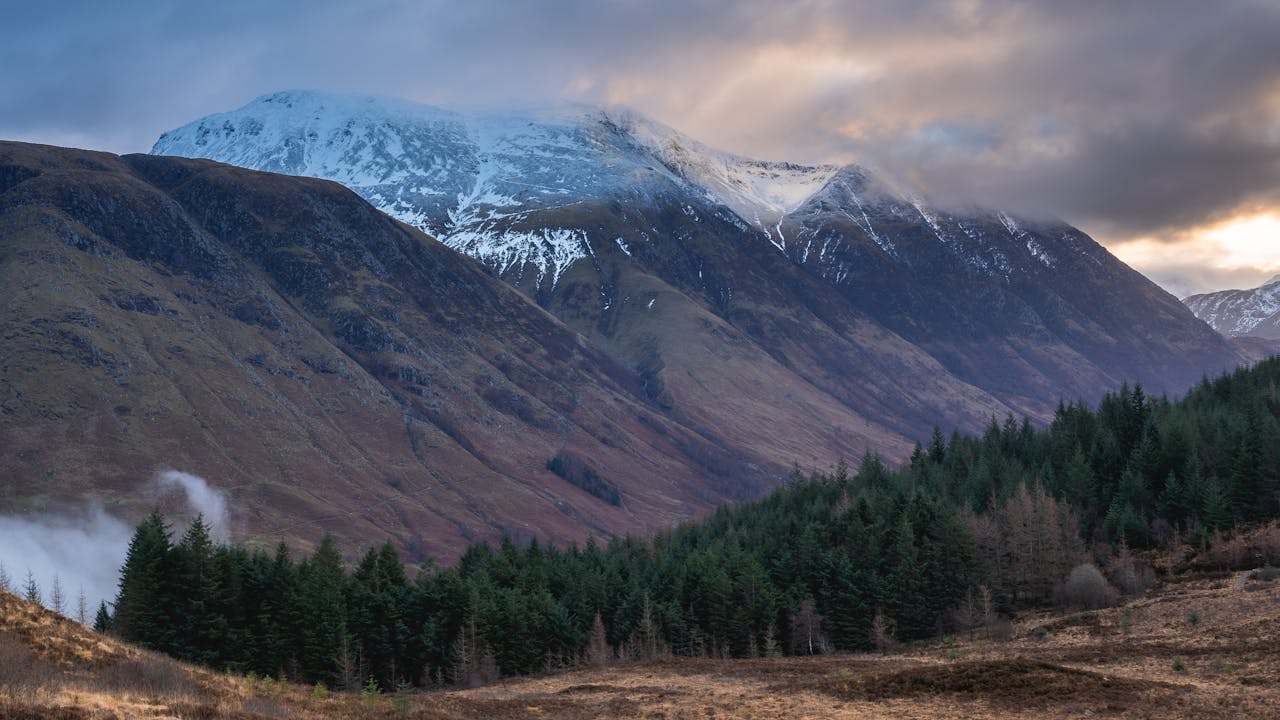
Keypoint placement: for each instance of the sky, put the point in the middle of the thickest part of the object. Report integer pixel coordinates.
(1153, 125)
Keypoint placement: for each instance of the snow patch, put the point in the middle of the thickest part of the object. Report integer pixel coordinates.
(1038, 252)
(549, 250)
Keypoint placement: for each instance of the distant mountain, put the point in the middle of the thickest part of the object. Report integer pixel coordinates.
(701, 269)
(1252, 313)
(331, 369)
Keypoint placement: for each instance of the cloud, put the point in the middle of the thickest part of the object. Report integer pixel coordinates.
(200, 498)
(84, 548)
(1127, 118)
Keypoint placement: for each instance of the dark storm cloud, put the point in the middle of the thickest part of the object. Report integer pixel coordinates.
(1131, 117)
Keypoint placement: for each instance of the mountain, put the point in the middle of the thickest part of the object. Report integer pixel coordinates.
(1252, 313)
(750, 295)
(330, 369)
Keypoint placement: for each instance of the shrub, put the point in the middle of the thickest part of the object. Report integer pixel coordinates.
(148, 676)
(1086, 588)
(1131, 575)
(1000, 630)
(18, 671)
(371, 691)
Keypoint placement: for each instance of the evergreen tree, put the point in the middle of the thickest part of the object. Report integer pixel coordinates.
(144, 602)
(31, 591)
(324, 638)
(1245, 497)
(201, 628)
(102, 620)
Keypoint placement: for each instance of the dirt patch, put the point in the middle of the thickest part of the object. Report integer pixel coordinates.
(595, 688)
(1015, 682)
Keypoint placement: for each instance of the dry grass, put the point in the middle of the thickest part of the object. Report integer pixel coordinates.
(1204, 648)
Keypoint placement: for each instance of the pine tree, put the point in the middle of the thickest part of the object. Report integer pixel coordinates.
(1214, 508)
(102, 621)
(324, 611)
(201, 628)
(31, 591)
(6, 582)
(143, 605)
(1173, 500)
(1245, 497)
(937, 447)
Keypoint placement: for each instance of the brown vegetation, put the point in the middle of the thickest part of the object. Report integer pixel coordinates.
(1197, 646)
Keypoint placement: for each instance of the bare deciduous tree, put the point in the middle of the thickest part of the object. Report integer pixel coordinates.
(57, 600)
(1027, 544)
(598, 652)
(806, 630)
(82, 608)
(882, 634)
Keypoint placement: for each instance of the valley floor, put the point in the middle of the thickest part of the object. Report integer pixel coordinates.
(1201, 648)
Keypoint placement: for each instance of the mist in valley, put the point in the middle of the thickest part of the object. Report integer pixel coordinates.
(79, 550)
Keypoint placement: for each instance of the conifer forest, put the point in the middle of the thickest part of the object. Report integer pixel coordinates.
(970, 529)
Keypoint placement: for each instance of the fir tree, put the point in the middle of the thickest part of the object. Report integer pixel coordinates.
(143, 605)
(102, 620)
(31, 591)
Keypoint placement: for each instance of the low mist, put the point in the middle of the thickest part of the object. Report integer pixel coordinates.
(200, 498)
(83, 548)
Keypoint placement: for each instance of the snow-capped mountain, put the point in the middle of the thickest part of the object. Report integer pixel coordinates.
(469, 178)
(1254, 313)
(680, 260)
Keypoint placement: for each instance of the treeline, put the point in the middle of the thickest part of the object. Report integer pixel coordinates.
(1138, 469)
(970, 528)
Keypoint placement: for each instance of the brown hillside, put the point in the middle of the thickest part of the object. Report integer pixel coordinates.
(330, 369)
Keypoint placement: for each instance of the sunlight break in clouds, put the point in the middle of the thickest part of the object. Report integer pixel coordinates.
(1241, 252)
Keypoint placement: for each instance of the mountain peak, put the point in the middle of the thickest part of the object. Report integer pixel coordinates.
(1253, 312)
(458, 174)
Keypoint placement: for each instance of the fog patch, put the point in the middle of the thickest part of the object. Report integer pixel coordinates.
(83, 548)
(200, 498)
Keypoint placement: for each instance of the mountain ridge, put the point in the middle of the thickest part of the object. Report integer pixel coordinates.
(577, 210)
(1254, 312)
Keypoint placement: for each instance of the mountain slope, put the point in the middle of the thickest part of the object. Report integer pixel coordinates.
(669, 254)
(331, 369)
(1253, 313)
